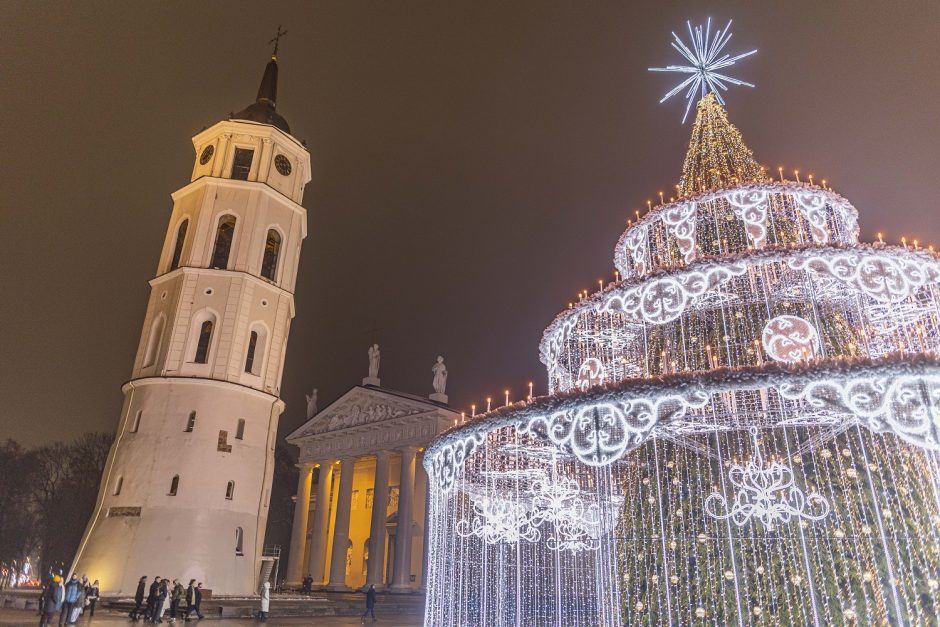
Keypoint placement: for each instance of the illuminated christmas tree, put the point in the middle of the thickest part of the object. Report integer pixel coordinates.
(743, 430)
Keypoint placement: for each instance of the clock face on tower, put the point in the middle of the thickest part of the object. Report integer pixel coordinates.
(282, 164)
(206, 155)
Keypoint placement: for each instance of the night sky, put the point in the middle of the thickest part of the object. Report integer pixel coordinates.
(474, 166)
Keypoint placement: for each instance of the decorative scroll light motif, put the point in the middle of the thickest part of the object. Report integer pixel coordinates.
(599, 434)
(560, 507)
(498, 520)
(766, 493)
(814, 210)
(590, 374)
(680, 220)
(636, 244)
(905, 405)
(557, 509)
(750, 206)
(705, 64)
(449, 460)
(883, 276)
(790, 339)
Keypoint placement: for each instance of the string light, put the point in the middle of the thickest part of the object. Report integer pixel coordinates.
(741, 429)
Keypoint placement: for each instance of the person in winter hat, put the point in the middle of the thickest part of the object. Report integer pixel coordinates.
(91, 593)
(52, 600)
(72, 591)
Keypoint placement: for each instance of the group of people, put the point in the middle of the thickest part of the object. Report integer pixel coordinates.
(69, 599)
(156, 601)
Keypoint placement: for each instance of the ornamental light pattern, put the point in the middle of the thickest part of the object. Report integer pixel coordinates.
(744, 429)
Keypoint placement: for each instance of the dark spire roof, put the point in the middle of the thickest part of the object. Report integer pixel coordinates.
(263, 109)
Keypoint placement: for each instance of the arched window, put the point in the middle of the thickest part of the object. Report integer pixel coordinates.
(205, 340)
(136, 425)
(153, 342)
(174, 485)
(240, 431)
(230, 490)
(178, 246)
(250, 357)
(191, 423)
(117, 485)
(224, 234)
(257, 345)
(239, 538)
(272, 250)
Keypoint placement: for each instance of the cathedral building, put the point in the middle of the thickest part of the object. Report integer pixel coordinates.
(187, 483)
(362, 492)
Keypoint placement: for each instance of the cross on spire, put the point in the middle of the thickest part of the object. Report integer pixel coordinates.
(373, 332)
(277, 40)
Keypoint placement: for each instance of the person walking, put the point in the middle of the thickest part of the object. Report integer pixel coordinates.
(162, 593)
(307, 588)
(151, 611)
(139, 598)
(199, 600)
(71, 599)
(80, 604)
(370, 603)
(265, 601)
(190, 598)
(91, 593)
(175, 596)
(53, 599)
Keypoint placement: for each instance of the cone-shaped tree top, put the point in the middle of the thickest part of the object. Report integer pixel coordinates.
(263, 109)
(717, 156)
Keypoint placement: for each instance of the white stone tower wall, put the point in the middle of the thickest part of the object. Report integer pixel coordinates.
(141, 528)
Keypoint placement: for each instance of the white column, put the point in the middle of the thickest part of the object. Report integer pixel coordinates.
(424, 481)
(298, 535)
(377, 533)
(401, 581)
(341, 526)
(316, 562)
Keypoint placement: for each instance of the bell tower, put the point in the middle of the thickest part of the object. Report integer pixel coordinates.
(186, 487)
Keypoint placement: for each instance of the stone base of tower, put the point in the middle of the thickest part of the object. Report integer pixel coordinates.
(183, 496)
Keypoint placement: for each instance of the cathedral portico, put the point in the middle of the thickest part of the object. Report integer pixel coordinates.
(366, 523)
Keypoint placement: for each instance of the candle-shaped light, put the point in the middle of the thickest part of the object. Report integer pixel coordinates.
(473, 411)
(530, 390)
(489, 403)
(797, 173)
(506, 392)
(780, 171)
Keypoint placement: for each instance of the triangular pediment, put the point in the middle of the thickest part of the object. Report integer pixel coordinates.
(362, 405)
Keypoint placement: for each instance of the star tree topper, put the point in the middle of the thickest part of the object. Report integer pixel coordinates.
(705, 64)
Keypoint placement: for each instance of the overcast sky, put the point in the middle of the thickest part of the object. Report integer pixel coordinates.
(474, 164)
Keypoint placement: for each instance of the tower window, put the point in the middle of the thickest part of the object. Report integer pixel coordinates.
(205, 339)
(240, 431)
(250, 358)
(272, 250)
(224, 234)
(239, 539)
(136, 425)
(241, 164)
(117, 485)
(153, 343)
(178, 246)
(174, 485)
(230, 490)
(191, 423)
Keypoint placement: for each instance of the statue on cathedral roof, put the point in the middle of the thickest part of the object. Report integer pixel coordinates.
(312, 404)
(374, 357)
(440, 375)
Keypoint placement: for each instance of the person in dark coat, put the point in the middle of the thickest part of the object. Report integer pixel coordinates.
(139, 598)
(370, 603)
(91, 593)
(162, 593)
(176, 595)
(199, 600)
(152, 599)
(190, 598)
(52, 600)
